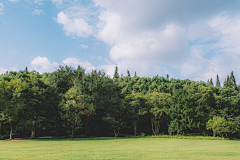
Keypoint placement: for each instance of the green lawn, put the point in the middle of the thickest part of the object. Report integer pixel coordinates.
(133, 148)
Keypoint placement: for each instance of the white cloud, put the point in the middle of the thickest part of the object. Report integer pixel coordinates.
(42, 64)
(84, 46)
(75, 26)
(166, 47)
(140, 49)
(34, 2)
(157, 33)
(36, 12)
(221, 56)
(57, 2)
(2, 71)
(74, 62)
(1, 8)
(94, 57)
(108, 69)
(150, 37)
(13, 0)
(39, 2)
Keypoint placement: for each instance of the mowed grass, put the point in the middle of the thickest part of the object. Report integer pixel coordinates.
(132, 148)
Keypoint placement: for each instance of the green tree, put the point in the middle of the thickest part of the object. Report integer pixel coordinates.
(211, 81)
(116, 75)
(136, 101)
(14, 104)
(185, 112)
(116, 110)
(41, 101)
(157, 105)
(74, 108)
(218, 125)
(218, 82)
(167, 77)
(128, 73)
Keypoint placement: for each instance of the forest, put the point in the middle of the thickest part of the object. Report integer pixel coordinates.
(70, 102)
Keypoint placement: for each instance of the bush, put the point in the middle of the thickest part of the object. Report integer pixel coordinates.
(142, 134)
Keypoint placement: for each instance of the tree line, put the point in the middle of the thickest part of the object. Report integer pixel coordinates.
(71, 102)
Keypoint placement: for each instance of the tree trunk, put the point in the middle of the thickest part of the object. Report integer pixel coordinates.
(153, 127)
(86, 128)
(183, 130)
(1, 127)
(72, 133)
(116, 133)
(11, 131)
(135, 126)
(34, 130)
(157, 127)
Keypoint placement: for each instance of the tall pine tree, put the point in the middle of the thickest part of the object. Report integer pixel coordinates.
(233, 81)
(116, 75)
(128, 73)
(167, 77)
(218, 82)
(211, 82)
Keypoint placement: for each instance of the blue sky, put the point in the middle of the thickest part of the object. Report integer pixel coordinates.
(185, 39)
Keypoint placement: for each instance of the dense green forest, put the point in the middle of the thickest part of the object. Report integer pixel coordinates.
(71, 102)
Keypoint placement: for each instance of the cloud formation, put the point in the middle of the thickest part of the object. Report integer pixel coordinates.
(36, 12)
(1, 8)
(42, 64)
(57, 2)
(13, 0)
(84, 46)
(75, 26)
(2, 71)
(74, 62)
(186, 39)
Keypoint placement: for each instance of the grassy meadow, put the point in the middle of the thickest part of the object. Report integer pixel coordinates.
(120, 148)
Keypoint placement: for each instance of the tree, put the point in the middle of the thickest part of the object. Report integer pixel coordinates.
(211, 81)
(64, 77)
(233, 81)
(74, 107)
(218, 125)
(14, 104)
(41, 101)
(128, 73)
(167, 77)
(116, 110)
(136, 101)
(230, 82)
(157, 105)
(218, 82)
(1, 120)
(185, 112)
(116, 75)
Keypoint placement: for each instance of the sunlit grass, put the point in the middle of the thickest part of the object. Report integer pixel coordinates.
(121, 148)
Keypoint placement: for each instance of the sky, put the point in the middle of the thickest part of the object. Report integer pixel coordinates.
(186, 39)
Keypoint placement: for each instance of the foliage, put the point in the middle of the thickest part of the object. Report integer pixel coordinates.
(220, 126)
(72, 102)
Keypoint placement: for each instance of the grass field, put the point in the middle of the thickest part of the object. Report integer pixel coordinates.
(132, 148)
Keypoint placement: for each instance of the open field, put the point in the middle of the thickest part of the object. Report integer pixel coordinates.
(132, 148)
